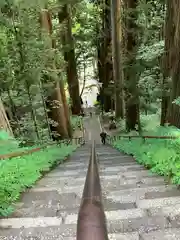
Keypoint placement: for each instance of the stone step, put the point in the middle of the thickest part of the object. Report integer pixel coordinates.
(66, 226)
(64, 232)
(138, 204)
(167, 234)
(144, 191)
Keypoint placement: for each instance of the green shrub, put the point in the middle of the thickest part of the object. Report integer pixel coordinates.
(162, 156)
(76, 122)
(21, 172)
(9, 144)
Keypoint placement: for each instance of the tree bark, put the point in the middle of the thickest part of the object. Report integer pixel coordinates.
(108, 66)
(105, 54)
(4, 123)
(174, 64)
(116, 51)
(84, 77)
(57, 111)
(66, 108)
(166, 62)
(69, 56)
(130, 44)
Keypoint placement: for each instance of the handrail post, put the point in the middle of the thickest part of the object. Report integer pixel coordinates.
(91, 223)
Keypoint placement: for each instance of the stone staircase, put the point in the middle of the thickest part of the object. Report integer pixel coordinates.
(138, 205)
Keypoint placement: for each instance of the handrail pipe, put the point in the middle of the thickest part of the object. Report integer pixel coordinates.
(91, 223)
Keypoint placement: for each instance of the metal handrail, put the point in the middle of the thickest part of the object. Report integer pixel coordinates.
(118, 137)
(78, 141)
(91, 224)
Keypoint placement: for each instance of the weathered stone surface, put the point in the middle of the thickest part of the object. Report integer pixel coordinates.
(124, 236)
(109, 205)
(128, 198)
(113, 186)
(158, 202)
(28, 198)
(39, 233)
(56, 234)
(155, 211)
(144, 224)
(142, 190)
(67, 173)
(164, 194)
(153, 180)
(30, 222)
(111, 215)
(166, 234)
(64, 181)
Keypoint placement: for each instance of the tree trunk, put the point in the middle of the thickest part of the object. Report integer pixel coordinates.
(166, 62)
(57, 112)
(45, 109)
(130, 75)
(69, 55)
(4, 123)
(108, 66)
(116, 50)
(66, 108)
(84, 77)
(174, 64)
(104, 54)
(100, 65)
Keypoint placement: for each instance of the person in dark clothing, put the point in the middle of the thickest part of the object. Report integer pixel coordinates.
(103, 136)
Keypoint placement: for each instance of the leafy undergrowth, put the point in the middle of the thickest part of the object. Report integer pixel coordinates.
(162, 156)
(149, 125)
(9, 144)
(21, 172)
(76, 122)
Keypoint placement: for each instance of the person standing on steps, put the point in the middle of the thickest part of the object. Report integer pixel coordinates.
(103, 136)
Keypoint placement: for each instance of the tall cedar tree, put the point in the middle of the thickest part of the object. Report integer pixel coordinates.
(57, 112)
(104, 54)
(116, 50)
(130, 75)
(4, 122)
(174, 63)
(69, 56)
(166, 63)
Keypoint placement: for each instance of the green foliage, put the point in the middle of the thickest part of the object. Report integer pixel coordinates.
(27, 76)
(149, 124)
(76, 122)
(152, 52)
(162, 156)
(177, 101)
(9, 144)
(151, 17)
(27, 60)
(5, 136)
(21, 172)
(96, 104)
